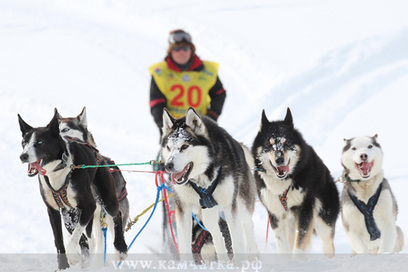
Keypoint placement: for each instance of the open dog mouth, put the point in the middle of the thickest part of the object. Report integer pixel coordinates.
(364, 168)
(182, 177)
(35, 167)
(281, 171)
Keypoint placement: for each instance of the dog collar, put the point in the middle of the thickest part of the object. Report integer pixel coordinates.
(348, 179)
(206, 198)
(62, 164)
(367, 210)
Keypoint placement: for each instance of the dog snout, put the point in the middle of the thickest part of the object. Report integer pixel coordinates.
(24, 157)
(364, 157)
(280, 160)
(169, 167)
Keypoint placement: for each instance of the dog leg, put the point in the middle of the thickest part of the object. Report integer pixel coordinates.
(251, 246)
(210, 220)
(304, 232)
(235, 228)
(119, 239)
(105, 184)
(55, 220)
(326, 234)
(357, 245)
(97, 231)
(280, 230)
(85, 211)
(399, 242)
(388, 238)
(71, 218)
(184, 230)
(291, 225)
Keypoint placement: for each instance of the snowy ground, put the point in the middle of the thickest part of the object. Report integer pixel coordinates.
(341, 66)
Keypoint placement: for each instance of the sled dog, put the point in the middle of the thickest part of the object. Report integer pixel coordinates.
(295, 187)
(209, 174)
(74, 193)
(369, 209)
(77, 128)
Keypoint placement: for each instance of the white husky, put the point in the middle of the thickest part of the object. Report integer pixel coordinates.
(369, 208)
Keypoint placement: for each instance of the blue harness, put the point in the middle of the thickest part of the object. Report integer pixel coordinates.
(367, 210)
(206, 198)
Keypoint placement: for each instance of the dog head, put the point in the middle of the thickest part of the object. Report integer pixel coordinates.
(362, 157)
(185, 146)
(277, 146)
(76, 127)
(40, 145)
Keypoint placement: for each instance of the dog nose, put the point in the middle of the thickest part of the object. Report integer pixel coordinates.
(169, 167)
(24, 157)
(280, 160)
(364, 156)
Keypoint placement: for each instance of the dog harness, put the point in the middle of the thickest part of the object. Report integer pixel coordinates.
(60, 195)
(367, 210)
(123, 193)
(206, 198)
(284, 199)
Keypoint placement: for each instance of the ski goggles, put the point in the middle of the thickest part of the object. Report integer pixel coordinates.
(178, 37)
(177, 48)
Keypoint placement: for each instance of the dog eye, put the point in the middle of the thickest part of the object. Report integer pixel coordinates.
(370, 146)
(39, 142)
(23, 143)
(168, 148)
(65, 130)
(183, 147)
(353, 148)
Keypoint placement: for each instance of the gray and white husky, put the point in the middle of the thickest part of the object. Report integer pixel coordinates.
(369, 208)
(209, 175)
(77, 128)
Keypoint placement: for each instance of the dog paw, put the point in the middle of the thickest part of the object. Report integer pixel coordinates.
(62, 262)
(73, 253)
(122, 255)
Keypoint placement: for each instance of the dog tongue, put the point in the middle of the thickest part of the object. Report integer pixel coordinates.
(284, 168)
(176, 176)
(366, 167)
(40, 170)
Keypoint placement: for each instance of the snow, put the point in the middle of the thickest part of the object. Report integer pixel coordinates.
(341, 66)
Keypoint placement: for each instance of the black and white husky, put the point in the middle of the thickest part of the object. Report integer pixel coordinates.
(77, 128)
(369, 208)
(74, 193)
(295, 187)
(209, 174)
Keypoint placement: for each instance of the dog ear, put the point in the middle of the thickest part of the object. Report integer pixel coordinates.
(59, 117)
(195, 123)
(264, 119)
(168, 121)
(375, 136)
(53, 125)
(24, 127)
(82, 118)
(288, 118)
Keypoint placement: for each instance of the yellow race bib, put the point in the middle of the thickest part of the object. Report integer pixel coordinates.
(185, 89)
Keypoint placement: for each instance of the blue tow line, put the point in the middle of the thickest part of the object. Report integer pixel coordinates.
(159, 188)
(104, 251)
(198, 222)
